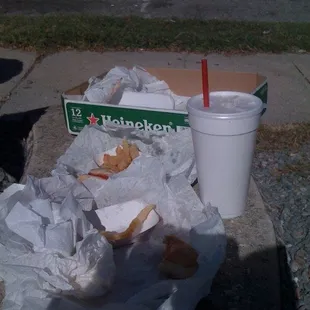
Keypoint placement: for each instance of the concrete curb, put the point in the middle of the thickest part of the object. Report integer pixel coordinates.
(28, 151)
(47, 141)
(249, 278)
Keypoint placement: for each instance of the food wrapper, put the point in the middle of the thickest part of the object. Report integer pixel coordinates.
(111, 88)
(116, 220)
(50, 245)
(126, 277)
(174, 149)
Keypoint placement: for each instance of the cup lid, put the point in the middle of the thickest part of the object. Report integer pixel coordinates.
(226, 105)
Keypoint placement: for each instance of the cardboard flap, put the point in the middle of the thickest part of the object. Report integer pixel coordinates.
(80, 89)
(189, 82)
(186, 82)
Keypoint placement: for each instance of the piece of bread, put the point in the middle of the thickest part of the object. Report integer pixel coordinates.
(124, 156)
(175, 271)
(100, 173)
(133, 229)
(179, 259)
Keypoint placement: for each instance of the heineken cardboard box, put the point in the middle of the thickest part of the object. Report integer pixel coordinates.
(181, 81)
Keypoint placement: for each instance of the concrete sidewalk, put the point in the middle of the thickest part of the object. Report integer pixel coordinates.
(288, 77)
(249, 278)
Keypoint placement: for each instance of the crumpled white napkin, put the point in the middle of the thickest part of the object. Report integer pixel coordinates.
(110, 88)
(37, 245)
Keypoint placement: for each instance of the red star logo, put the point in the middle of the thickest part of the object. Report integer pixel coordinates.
(92, 119)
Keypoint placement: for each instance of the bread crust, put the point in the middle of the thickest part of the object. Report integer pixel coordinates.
(179, 259)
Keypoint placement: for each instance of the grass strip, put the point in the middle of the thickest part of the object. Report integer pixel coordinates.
(289, 137)
(89, 32)
(283, 137)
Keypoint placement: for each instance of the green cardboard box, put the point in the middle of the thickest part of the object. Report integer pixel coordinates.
(182, 82)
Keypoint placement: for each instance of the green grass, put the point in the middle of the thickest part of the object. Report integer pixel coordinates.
(83, 32)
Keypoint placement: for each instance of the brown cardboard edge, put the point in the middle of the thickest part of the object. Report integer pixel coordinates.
(83, 86)
(260, 79)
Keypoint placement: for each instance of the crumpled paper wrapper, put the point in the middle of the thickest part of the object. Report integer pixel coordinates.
(128, 277)
(110, 88)
(34, 252)
(174, 150)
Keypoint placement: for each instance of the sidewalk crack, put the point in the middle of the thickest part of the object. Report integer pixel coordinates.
(37, 60)
(301, 73)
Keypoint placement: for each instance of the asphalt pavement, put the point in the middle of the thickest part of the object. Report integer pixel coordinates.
(253, 10)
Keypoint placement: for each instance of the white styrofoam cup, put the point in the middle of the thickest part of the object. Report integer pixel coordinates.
(224, 141)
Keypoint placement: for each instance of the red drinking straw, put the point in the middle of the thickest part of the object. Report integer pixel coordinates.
(205, 82)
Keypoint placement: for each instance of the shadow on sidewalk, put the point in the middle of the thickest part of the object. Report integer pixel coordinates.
(248, 283)
(14, 131)
(9, 68)
(239, 285)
